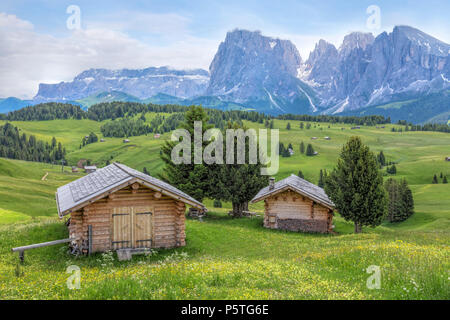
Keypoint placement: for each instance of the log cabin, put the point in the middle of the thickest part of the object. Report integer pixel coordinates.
(117, 207)
(295, 204)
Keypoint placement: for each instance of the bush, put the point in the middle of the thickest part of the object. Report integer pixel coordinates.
(217, 204)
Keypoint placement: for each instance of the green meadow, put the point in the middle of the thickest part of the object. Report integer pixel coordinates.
(228, 258)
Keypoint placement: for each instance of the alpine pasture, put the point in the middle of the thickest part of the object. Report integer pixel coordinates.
(233, 258)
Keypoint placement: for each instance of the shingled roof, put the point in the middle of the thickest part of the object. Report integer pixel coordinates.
(298, 185)
(116, 176)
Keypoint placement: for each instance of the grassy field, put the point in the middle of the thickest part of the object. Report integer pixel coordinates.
(226, 258)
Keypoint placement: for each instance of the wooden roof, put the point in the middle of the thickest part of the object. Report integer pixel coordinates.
(298, 185)
(104, 181)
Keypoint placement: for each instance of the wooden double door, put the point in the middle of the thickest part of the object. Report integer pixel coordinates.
(132, 227)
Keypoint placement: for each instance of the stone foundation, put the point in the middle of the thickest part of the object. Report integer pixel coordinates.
(303, 225)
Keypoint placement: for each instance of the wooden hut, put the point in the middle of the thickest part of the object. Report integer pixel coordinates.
(295, 204)
(117, 207)
(90, 169)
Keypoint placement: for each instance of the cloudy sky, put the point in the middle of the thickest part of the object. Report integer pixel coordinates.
(37, 46)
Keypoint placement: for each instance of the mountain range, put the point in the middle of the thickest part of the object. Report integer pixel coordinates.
(365, 74)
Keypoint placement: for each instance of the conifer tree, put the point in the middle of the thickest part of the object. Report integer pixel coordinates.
(309, 150)
(237, 183)
(194, 179)
(302, 147)
(435, 180)
(444, 181)
(356, 186)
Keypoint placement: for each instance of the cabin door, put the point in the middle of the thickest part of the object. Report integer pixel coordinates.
(142, 235)
(121, 228)
(132, 227)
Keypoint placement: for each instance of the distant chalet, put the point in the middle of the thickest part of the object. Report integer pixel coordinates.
(90, 169)
(118, 207)
(295, 204)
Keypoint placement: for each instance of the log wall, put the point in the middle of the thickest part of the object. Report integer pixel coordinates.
(291, 211)
(168, 218)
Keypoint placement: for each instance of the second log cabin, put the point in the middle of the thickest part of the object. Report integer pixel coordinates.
(295, 204)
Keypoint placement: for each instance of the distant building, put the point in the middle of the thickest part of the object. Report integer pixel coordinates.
(81, 163)
(291, 152)
(327, 138)
(447, 159)
(157, 136)
(90, 169)
(126, 140)
(357, 127)
(314, 138)
(74, 169)
(316, 153)
(102, 140)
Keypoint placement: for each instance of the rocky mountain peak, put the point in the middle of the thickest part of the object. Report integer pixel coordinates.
(356, 40)
(251, 66)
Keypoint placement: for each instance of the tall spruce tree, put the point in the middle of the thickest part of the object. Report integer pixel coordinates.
(444, 181)
(401, 203)
(309, 150)
(302, 147)
(435, 180)
(237, 183)
(194, 179)
(321, 182)
(381, 159)
(356, 186)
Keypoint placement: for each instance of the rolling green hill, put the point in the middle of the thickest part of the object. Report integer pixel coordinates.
(433, 108)
(234, 258)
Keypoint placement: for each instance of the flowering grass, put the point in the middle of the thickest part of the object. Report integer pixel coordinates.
(234, 259)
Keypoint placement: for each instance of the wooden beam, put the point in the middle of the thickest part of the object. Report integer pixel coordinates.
(157, 195)
(40, 245)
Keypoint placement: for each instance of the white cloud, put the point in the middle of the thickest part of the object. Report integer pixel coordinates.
(28, 58)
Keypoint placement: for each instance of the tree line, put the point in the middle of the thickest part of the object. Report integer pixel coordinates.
(220, 118)
(16, 145)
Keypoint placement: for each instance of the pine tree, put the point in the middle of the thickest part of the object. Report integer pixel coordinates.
(407, 199)
(300, 174)
(381, 159)
(321, 182)
(309, 150)
(444, 181)
(288, 126)
(435, 180)
(145, 171)
(401, 203)
(302, 147)
(302, 125)
(272, 124)
(237, 183)
(217, 204)
(392, 169)
(194, 179)
(356, 186)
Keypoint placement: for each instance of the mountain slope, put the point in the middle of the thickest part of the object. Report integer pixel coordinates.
(259, 72)
(433, 108)
(11, 104)
(401, 65)
(139, 83)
